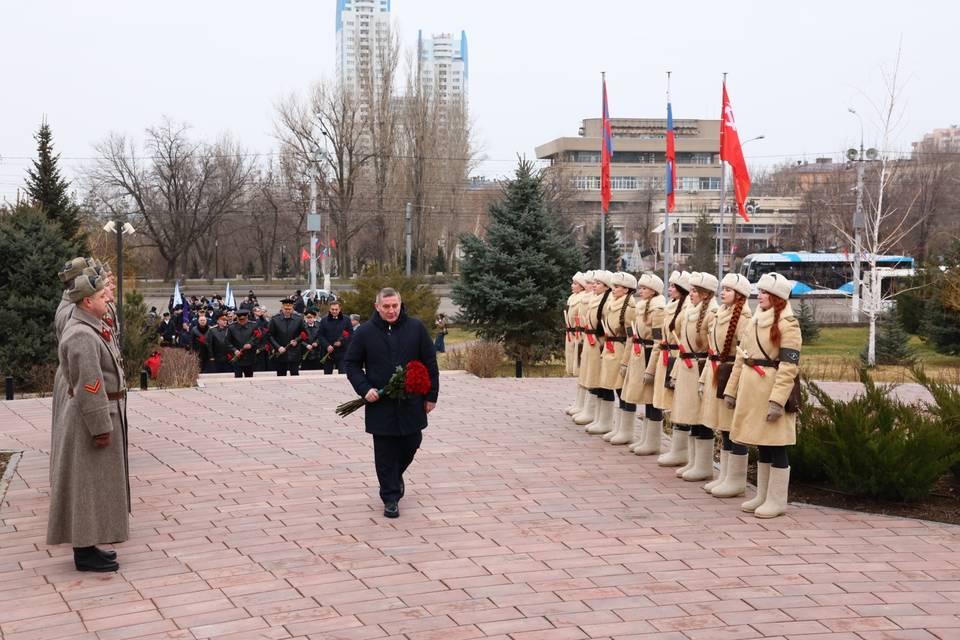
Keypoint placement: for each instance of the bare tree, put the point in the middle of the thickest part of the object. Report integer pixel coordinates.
(178, 191)
(328, 131)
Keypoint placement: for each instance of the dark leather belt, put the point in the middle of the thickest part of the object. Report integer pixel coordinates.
(719, 358)
(672, 346)
(616, 339)
(571, 330)
(699, 354)
(646, 342)
(756, 362)
(119, 395)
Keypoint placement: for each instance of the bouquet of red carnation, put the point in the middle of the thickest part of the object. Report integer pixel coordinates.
(326, 356)
(412, 380)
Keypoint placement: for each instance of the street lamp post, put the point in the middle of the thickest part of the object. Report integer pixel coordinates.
(860, 157)
(121, 227)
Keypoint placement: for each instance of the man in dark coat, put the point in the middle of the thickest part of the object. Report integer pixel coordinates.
(313, 353)
(218, 345)
(241, 339)
(389, 340)
(166, 330)
(335, 332)
(200, 343)
(284, 334)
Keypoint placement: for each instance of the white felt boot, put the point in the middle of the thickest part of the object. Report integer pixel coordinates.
(691, 454)
(716, 482)
(628, 422)
(777, 488)
(604, 421)
(652, 437)
(578, 403)
(763, 477)
(589, 412)
(614, 424)
(639, 431)
(677, 456)
(734, 479)
(702, 468)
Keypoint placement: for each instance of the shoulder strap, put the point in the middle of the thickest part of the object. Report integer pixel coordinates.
(756, 331)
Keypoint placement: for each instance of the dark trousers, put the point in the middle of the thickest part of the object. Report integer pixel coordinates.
(329, 364)
(311, 364)
(223, 367)
(292, 367)
(243, 371)
(392, 455)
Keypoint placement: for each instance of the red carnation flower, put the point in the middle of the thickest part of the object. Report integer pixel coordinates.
(417, 381)
(202, 339)
(303, 335)
(106, 334)
(108, 320)
(229, 357)
(257, 333)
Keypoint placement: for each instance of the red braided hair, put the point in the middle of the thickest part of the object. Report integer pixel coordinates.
(778, 304)
(738, 301)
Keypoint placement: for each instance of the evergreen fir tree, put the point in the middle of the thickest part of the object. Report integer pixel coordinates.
(809, 327)
(50, 191)
(611, 257)
(941, 319)
(515, 281)
(704, 256)
(892, 347)
(34, 250)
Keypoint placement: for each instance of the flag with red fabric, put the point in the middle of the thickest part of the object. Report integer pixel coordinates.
(606, 152)
(304, 255)
(671, 182)
(732, 153)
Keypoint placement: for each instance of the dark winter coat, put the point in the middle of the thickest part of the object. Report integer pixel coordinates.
(281, 331)
(331, 330)
(239, 335)
(313, 338)
(217, 343)
(374, 353)
(200, 342)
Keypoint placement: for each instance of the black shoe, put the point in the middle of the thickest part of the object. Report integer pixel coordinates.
(402, 488)
(391, 510)
(108, 554)
(89, 559)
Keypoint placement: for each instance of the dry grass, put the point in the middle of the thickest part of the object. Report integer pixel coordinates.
(178, 368)
(482, 359)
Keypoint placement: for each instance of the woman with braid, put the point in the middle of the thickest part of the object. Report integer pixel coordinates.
(602, 415)
(571, 338)
(767, 366)
(726, 331)
(587, 409)
(647, 328)
(618, 316)
(659, 365)
(691, 358)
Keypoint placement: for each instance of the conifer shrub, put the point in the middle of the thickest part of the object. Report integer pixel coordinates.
(417, 296)
(945, 406)
(809, 327)
(873, 445)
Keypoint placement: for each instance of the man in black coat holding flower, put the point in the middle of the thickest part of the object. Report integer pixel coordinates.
(391, 339)
(335, 330)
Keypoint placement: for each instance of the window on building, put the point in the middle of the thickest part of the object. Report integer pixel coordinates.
(710, 183)
(623, 183)
(688, 183)
(586, 183)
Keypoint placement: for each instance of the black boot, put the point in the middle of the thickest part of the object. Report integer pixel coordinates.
(90, 559)
(108, 554)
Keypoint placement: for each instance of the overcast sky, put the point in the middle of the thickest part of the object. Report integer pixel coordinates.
(95, 66)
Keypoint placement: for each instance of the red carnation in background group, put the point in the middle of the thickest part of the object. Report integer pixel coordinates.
(303, 335)
(345, 334)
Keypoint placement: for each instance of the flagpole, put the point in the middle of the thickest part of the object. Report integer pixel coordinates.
(723, 197)
(666, 220)
(603, 254)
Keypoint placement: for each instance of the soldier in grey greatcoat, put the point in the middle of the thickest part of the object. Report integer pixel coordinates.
(90, 491)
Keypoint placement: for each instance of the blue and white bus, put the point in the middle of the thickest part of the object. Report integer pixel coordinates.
(823, 273)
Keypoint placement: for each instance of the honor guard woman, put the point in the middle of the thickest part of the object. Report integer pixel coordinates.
(763, 393)
(617, 318)
(571, 337)
(659, 365)
(603, 412)
(590, 307)
(726, 331)
(691, 336)
(646, 330)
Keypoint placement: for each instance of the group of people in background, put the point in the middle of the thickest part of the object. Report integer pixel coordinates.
(247, 339)
(714, 369)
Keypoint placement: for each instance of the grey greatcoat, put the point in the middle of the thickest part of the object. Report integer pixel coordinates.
(89, 491)
(64, 312)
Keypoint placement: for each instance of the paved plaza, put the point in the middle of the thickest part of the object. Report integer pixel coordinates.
(256, 515)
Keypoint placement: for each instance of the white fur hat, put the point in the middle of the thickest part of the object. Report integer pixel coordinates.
(624, 279)
(603, 276)
(681, 279)
(736, 282)
(775, 284)
(704, 280)
(589, 275)
(651, 281)
(580, 278)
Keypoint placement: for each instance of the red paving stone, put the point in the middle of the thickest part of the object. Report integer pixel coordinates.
(256, 516)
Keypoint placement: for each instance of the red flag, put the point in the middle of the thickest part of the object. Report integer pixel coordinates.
(606, 151)
(304, 256)
(732, 153)
(333, 244)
